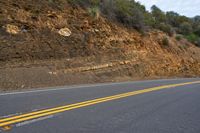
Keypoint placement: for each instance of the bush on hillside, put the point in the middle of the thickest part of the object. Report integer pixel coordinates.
(165, 41)
(166, 28)
(192, 38)
(94, 12)
(178, 37)
(185, 28)
(129, 13)
(158, 14)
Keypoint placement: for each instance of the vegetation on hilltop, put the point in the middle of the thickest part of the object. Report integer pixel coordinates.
(133, 14)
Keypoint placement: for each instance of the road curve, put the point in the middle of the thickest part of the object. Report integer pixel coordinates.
(153, 106)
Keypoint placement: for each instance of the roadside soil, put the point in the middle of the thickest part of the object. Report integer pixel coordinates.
(34, 53)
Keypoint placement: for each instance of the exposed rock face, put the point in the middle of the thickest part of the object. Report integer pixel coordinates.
(57, 44)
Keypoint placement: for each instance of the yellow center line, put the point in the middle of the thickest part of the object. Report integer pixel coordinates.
(33, 115)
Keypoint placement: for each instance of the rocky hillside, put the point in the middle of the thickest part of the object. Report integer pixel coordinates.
(45, 43)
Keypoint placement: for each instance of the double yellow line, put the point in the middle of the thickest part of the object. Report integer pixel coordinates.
(46, 112)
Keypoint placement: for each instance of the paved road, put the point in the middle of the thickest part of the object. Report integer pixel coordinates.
(156, 106)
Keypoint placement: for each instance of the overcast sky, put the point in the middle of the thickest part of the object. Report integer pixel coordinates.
(188, 8)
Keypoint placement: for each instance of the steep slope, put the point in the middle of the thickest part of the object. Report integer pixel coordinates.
(34, 52)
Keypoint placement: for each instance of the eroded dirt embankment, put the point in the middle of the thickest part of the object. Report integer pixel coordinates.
(47, 44)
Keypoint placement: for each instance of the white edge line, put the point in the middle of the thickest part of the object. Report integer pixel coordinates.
(85, 86)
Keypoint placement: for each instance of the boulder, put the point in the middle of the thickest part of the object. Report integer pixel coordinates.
(65, 32)
(12, 29)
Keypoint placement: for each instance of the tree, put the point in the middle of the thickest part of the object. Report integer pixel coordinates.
(129, 13)
(106, 7)
(197, 30)
(196, 25)
(158, 14)
(196, 19)
(172, 18)
(149, 20)
(137, 20)
(185, 28)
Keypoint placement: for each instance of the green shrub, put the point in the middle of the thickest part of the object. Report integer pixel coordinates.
(192, 38)
(166, 28)
(129, 13)
(185, 28)
(165, 41)
(178, 37)
(94, 12)
(158, 14)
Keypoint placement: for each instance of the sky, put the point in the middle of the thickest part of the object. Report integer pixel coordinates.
(189, 8)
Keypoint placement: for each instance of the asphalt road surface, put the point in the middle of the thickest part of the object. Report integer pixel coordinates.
(154, 106)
